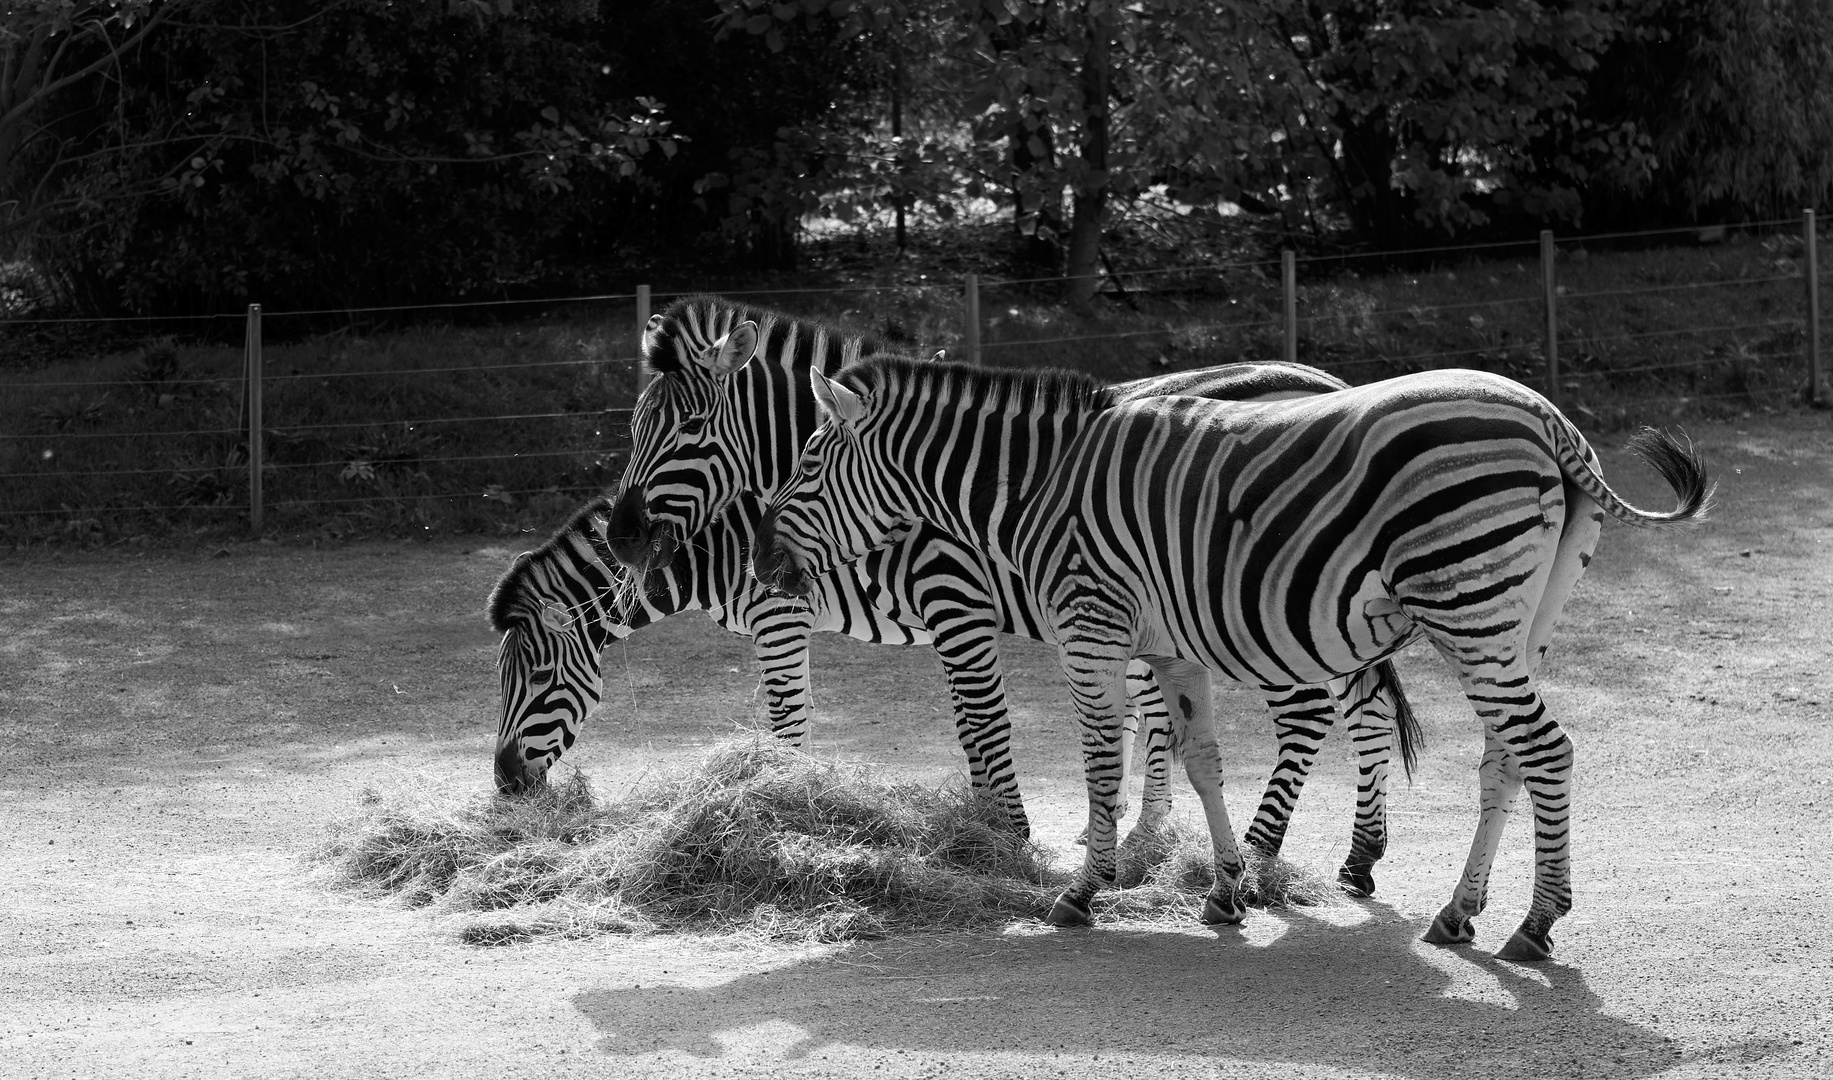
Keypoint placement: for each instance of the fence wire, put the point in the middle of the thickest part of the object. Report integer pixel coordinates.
(535, 452)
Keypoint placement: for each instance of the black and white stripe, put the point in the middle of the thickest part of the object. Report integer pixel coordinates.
(1279, 543)
(558, 606)
(728, 411)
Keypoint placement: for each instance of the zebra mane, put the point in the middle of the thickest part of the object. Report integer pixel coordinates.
(713, 316)
(515, 592)
(1049, 390)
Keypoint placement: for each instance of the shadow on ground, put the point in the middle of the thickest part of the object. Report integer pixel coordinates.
(1357, 998)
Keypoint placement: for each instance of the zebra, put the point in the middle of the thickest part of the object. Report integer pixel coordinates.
(1282, 542)
(728, 412)
(559, 606)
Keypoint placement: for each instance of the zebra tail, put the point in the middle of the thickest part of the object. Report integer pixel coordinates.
(1407, 731)
(1679, 464)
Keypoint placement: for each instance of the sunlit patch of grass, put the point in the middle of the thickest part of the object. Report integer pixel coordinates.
(759, 839)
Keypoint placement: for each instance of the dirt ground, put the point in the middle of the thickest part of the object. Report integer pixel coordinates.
(177, 729)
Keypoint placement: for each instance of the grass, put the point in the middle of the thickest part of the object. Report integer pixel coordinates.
(760, 840)
(402, 433)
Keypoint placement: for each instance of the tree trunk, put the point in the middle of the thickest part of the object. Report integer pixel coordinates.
(1083, 271)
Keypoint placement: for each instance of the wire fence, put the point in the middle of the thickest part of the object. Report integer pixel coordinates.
(505, 428)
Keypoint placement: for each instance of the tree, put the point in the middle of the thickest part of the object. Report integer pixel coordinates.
(357, 150)
(48, 48)
(1735, 100)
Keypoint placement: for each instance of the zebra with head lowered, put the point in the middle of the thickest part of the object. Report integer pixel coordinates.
(558, 606)
(1278, 542)
(727, 413)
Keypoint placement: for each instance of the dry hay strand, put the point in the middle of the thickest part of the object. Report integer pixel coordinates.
(759, 839)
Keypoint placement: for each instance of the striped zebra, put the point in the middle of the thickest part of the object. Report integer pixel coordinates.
(1283, 542)
(560, 605)
(728, 412)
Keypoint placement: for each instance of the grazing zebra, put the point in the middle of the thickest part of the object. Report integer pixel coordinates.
(728, 412)
(558, 607)
(1284, 542)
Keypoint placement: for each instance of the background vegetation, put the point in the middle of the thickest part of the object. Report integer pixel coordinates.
(403, 187)
(175, 156)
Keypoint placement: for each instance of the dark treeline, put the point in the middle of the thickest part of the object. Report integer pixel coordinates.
(183, 155)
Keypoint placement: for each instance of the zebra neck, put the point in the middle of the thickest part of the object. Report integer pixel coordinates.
(998, 460)
(775, 405)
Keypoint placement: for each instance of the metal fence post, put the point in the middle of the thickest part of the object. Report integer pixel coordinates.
(970, 319)
(642, 325)
(1288, 283)
(1550, 286)
(1811, 271)
(253, 375)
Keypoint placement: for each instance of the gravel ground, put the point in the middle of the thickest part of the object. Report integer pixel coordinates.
(177, 729)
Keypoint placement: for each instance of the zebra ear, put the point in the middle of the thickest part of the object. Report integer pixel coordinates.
(834, 400)
(733, 351)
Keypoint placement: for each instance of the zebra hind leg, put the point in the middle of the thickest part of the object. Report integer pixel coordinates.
(1302, 716)
(1379, 715)
(1524, 747)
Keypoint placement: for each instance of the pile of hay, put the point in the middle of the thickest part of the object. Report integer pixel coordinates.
(759, 838)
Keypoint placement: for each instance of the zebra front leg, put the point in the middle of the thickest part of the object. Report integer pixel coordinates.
(1095, 674)
(780, 640)
(1186, 687)
(1147, 704)
(1145, 714)
(967, 643)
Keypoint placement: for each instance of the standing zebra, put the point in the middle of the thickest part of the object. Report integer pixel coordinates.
(728, 412)
(558, 606)
(1284, 542)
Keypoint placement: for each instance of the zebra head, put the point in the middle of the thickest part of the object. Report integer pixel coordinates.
(557, 607)
(681, 471)
(838, 506)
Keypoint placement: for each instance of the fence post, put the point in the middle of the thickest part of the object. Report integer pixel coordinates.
(1288, 283)
(642, 324)
(970, 319)
(1811, 266)
(253, 376)
(1550, 285)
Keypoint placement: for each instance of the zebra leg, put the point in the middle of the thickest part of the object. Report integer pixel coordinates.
(1523, 747)
(1368, 703)
(966, 637)
(779, 637)
(1145, 707)
(1186, 687)
(1302, 716)
(1095, 672)
(1147, 704)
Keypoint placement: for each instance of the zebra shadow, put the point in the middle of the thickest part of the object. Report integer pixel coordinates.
(1289, 989)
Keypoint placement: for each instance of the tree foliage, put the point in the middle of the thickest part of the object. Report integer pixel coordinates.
(358, 150)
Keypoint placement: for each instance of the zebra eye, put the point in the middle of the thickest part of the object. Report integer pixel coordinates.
(541, 676)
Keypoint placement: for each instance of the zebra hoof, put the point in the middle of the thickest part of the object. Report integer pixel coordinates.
(1357, 879)
(1527, 947)
(1068, 911)
(1222, 909)
(1452, 927)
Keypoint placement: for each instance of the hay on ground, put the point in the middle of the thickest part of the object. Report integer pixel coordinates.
(760, 838)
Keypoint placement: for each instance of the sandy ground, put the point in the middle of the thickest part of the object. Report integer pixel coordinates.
(177, 729)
